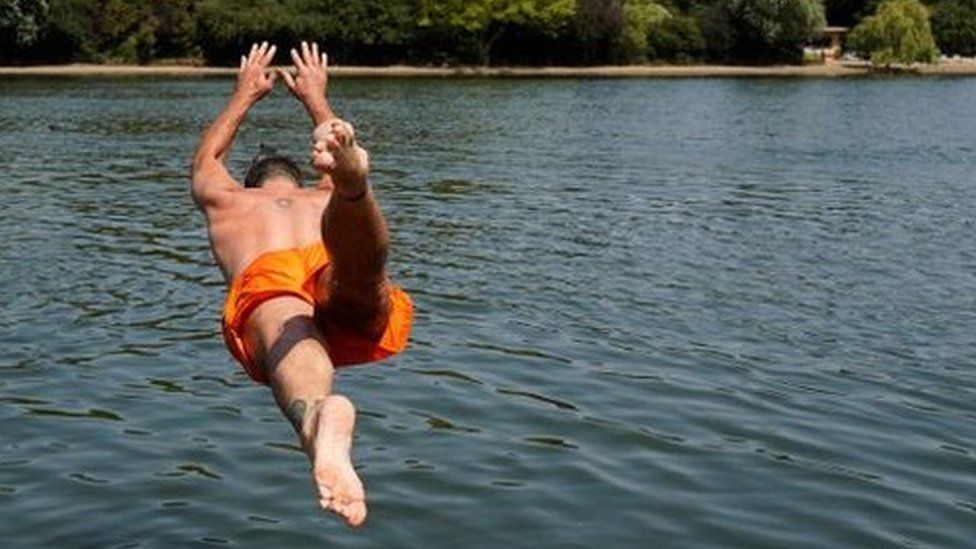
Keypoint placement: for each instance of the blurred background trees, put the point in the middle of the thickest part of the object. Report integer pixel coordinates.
(954, 26)
(899, 33)
(510, 32)
(21, 22)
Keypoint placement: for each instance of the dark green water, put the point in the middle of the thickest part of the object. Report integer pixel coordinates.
(691, 313)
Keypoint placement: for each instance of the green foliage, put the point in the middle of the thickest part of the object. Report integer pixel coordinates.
(764, 30)
(899, 33)
(176, 30)
(954, 26)
(21, 22)
(639, 18)
(480, 23)
(69, 34)
(365, 30)
(677, 38)
(448, 31)
(126, 31)
(597, 26)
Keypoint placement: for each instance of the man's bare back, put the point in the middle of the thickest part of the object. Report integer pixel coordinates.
(256, 221)
(306, 268)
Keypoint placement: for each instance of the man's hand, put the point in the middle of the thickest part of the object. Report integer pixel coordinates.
(254, 81)
(310, 81)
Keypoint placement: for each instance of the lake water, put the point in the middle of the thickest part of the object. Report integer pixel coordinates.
(683, 313)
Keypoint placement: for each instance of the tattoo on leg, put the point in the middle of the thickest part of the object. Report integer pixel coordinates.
(296, 414)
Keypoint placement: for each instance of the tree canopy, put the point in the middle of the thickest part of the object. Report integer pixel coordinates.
(21, 22)
(446, 31)
(756, 30)
(954, 26)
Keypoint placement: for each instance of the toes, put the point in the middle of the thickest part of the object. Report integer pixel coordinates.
(321, 131)
(345, 133)
(332, 143)
(357, 514)
(354, 513)
(323, 160)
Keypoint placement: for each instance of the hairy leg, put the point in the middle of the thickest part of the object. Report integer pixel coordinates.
(287, 343)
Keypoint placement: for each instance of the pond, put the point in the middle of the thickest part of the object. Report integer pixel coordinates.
(686, 313)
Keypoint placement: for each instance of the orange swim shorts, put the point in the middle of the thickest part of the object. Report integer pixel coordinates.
(293, 272)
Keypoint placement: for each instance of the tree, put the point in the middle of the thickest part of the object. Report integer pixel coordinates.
(639, 17)
(364, 30)
(677, 38)
(766, 30)
(226, 28)
(176, 34)
(21, 22)
(954, 26)
(126, 30)
(898, 33)
(482, 22)
(598, 24)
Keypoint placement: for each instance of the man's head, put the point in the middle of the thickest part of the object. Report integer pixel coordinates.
(268, 166)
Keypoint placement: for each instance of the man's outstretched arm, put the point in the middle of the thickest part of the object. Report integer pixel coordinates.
(210, 176)
(309, 83)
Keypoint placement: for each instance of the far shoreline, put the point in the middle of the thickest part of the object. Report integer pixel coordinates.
(829, 70)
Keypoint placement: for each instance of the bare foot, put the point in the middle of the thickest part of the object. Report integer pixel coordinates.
(339, 488)
(336, 153)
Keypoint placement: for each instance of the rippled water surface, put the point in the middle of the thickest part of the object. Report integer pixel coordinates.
(687, 313)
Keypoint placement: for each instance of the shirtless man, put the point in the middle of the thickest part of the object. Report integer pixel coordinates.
(306, 268)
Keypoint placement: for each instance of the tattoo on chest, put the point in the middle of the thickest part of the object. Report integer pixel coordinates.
(283, 203)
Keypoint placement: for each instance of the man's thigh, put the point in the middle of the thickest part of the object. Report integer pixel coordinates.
(362, 309)
(279, 327)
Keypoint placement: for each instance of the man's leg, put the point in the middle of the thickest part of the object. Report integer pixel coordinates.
(353, 291)
(300, 375)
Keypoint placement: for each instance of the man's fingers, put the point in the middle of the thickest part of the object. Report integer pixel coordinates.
(307, 54)
(299, 64)
(243, 61)
(269, 55)
(315, 52)
(325, 60)
(254, 49)
(288, 78)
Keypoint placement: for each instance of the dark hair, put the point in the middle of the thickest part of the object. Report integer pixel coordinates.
(265, 166)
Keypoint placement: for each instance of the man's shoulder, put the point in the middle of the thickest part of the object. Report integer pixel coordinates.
(224, 202)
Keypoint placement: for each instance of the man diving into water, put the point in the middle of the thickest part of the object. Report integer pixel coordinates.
(306, 267)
